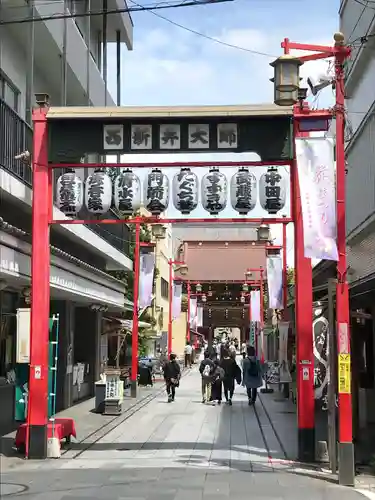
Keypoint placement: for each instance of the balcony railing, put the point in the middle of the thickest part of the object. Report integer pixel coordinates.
(15, 138)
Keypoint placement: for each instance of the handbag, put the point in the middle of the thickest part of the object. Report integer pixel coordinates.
(238, 375)
(175, 382)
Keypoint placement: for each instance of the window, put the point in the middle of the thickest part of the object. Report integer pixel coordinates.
(8, 92)
(164, 286)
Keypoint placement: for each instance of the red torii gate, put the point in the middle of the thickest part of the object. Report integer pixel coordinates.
(66, 125)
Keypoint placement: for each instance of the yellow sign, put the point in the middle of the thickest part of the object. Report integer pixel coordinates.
(344, 374)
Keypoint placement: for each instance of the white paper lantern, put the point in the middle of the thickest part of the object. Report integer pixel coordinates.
(69, 194)
(127, 192)
(272, 190)
(185, 191)
(243, 191)
(156, 192)
(98, 193)
(214, 191)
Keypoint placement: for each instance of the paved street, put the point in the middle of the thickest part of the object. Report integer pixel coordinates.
(179, 451)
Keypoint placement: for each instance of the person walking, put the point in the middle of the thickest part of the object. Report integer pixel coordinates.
(251, 375)
(172, 374)
(232, 350)
(243, 348)
(230, 367)
(188, 355)
(206, 370)
(217, 382)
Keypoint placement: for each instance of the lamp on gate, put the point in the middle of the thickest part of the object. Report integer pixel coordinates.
(198, 288)
(158, 231)
(286, 79)
(245, 287)
(264, 232)
(182, 269)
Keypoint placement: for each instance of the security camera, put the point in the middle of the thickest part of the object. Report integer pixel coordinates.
(318, 84)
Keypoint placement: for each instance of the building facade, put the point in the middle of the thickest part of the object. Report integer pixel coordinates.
(63, 58)
(218, 257)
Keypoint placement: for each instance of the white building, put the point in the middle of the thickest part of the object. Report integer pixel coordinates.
(65, 58)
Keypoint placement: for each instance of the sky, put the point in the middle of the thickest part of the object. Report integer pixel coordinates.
(170, 65)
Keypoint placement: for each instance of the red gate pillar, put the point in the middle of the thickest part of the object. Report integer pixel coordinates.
(37, 411)
(346, 448)
(170, 302)
(188, 335)
(304, 332)
(137, 257)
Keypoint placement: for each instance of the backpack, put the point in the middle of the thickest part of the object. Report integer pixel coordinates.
(253, 369)
(206, 371)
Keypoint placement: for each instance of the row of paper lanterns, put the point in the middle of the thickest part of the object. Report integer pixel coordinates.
(98, 196)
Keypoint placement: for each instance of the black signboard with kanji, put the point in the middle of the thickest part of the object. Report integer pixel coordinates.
(268, 136)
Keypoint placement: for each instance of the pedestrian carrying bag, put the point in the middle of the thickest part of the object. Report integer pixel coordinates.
(238, 375)
(253, 369)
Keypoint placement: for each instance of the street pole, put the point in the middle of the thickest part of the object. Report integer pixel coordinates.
(188, 313)
(331, 392)
(137, 257)
(169, 342)
(251, 340)
(261, 316)
(346, 448)
(285, 272)
(37, 409)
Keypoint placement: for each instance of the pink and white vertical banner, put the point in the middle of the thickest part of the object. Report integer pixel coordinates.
(275, 282)
(255, 305)
(316, 177)
(176, 300)
(199, 316)
(146, 279)
(193, 314)
(284, 372)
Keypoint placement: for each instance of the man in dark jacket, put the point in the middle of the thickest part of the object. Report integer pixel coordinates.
(230, 367)
(172, 373)
(206, 369)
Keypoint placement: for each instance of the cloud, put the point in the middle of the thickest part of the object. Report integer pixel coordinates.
(170, 66)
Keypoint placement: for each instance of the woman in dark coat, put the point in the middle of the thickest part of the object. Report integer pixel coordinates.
(217, 382)
(251, 375)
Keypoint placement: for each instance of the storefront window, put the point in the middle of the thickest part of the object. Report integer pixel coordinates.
(8, 327)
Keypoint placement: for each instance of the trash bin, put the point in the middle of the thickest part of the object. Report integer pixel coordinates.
(99, 396)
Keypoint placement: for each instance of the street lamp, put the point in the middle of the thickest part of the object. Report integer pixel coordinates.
(182, 269)
(286, 79)
(264, 232)
(158, 231)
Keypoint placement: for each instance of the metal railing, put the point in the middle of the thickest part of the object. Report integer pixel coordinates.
(15, 138)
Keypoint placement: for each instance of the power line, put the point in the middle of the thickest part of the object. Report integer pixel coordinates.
(139, 8)
(207, 37)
